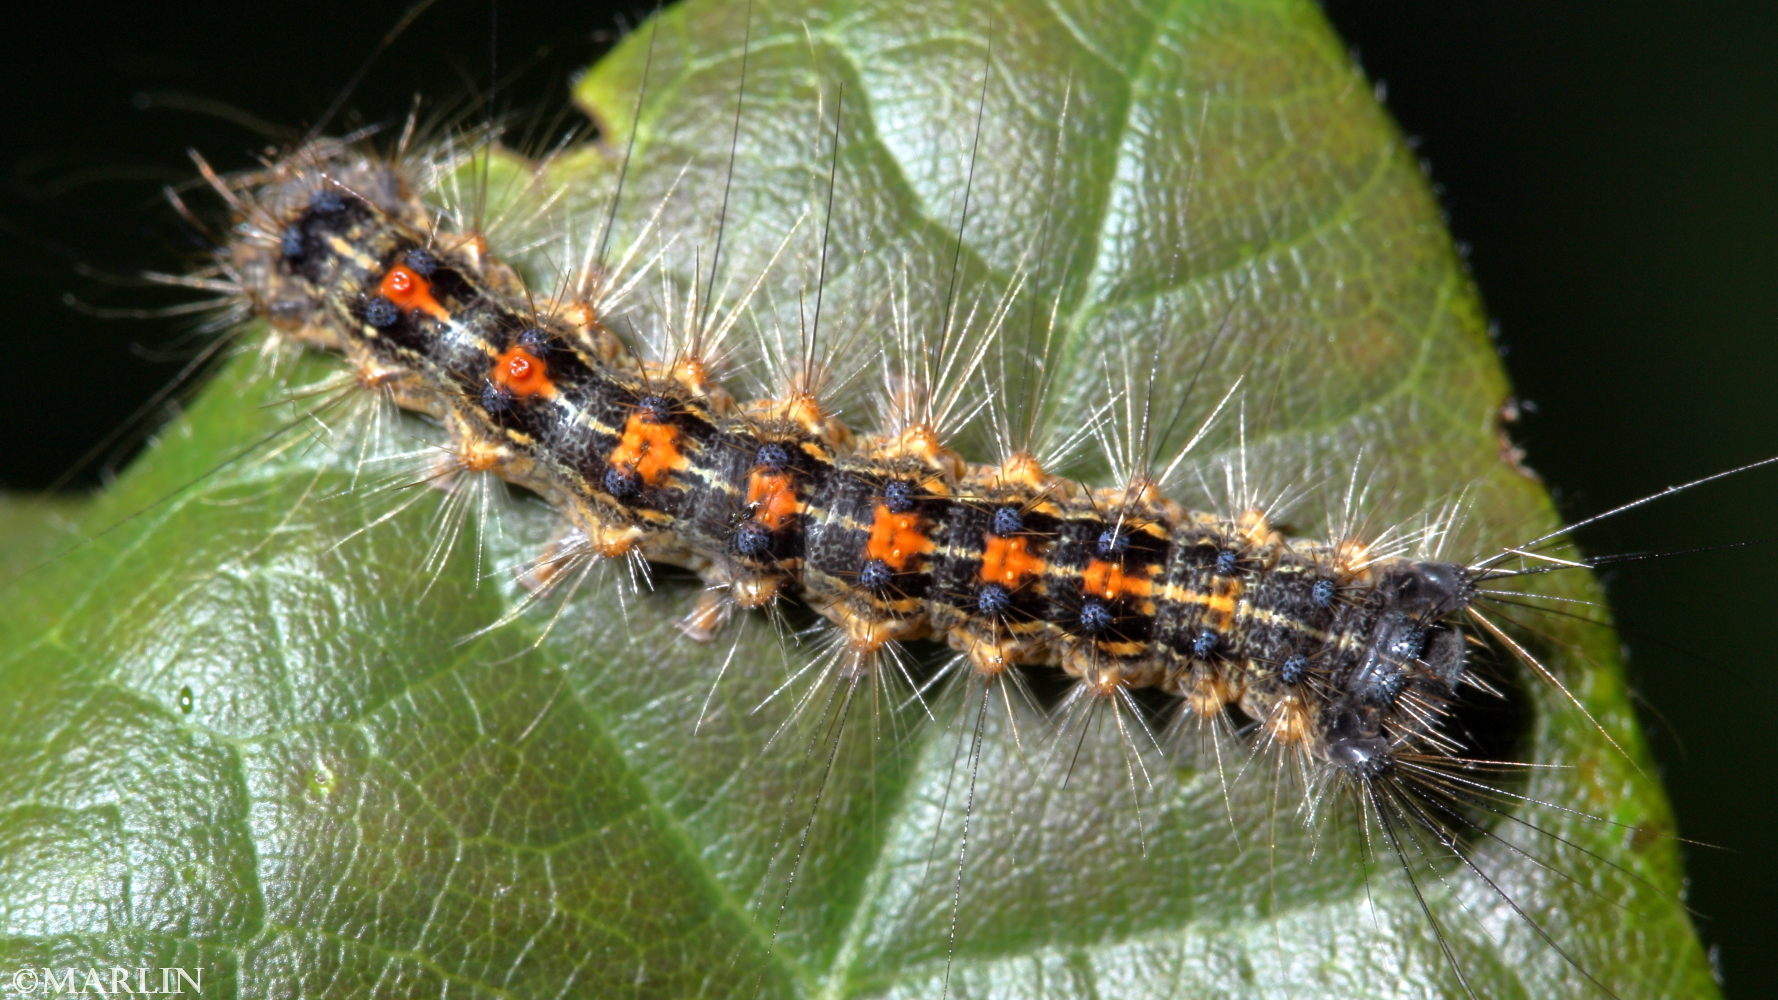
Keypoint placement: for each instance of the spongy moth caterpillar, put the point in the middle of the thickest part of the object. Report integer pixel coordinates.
(666, 786)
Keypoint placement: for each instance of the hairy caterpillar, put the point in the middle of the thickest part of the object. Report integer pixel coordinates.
(1138, 861)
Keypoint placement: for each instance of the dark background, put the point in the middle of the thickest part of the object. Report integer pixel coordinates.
(1610, 167)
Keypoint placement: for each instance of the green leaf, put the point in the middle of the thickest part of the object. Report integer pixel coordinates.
(255, 729)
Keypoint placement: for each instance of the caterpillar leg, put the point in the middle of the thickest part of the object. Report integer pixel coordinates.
(559, 556)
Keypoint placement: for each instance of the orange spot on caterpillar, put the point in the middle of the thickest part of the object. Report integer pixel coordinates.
(408, 290)
(772, 495)
(1009, 561)
(1108, 580)
(896, 539)
(522, 373)
(648, 448)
